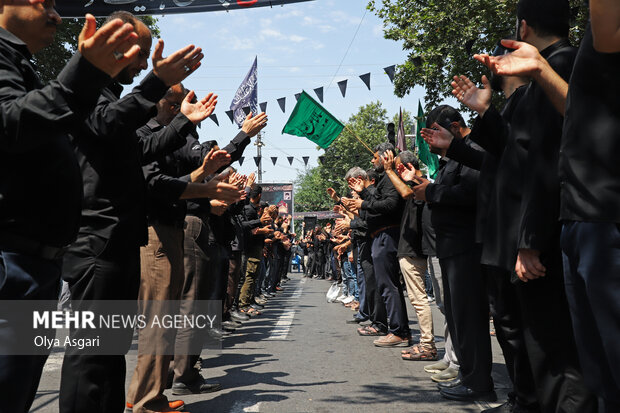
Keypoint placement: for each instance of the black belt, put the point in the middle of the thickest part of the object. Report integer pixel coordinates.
(22, 245)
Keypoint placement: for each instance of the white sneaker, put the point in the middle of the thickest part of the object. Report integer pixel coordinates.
(341, 298)
(348, 299)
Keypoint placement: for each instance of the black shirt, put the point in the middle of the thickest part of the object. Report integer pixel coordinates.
(540, 206)
(383, 207)
(111, 157)
(410, 242)
(452, 201)
(165, 180)
(253, 242)
(40, 180)
(589, 164)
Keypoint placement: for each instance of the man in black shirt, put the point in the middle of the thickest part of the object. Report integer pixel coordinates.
(452, 201)
(384, 208)
(34, 122)
(537, 128)
(104, 262)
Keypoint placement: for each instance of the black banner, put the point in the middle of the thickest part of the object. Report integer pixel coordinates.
(102, 8)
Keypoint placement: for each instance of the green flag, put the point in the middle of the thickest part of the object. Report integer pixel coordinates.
(429, 159)
(312, 121)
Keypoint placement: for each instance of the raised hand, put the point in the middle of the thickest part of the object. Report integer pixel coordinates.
(200, 110)
(332, 194)
(351, 204)
(388, 160)
(407, 173)
(254, 124)
(216, 189)
(214, 161)
(251, 180)
(176, 67)
(438, 136)
(524, 60)
(356, 184)
(110, 48)
(478, 100)
(218, 207)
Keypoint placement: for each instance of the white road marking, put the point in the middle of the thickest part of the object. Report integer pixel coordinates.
(283, 325)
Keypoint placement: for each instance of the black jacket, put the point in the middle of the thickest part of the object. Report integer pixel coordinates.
(383, 207)
(110, 157)
(40, 180)
(452, 201)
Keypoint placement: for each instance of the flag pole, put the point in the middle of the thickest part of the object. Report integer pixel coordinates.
(361, 141)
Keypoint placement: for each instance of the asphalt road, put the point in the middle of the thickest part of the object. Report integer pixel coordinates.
(301, 356)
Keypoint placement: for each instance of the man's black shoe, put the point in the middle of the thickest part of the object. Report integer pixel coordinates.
(257, 306)
(465, 394)
(239, 316)
(449, 384)
(218, 333)
(229, 326)
(197, 387)
(507, 407)
(355, 320)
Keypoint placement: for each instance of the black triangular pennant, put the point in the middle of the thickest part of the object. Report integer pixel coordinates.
(321, 159)
(282, 103)
(214, 119)
(306, 159)
(247, 110)
(274, 159)
(343, 87)
(290, 160)
(230, 115)
(241, 160)
(390, 70)
(257, 160)
(297, 95)
(263, 107)
(366, 79)
(319, 93)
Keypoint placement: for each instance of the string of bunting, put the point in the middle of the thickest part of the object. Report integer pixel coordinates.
(290, 159)
(319, 92)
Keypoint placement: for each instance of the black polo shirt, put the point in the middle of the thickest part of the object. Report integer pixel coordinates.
(410, 242)
(590, 150)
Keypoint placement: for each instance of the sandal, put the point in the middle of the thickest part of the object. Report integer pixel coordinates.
(369, 331)
(424, 355)
(415, 349)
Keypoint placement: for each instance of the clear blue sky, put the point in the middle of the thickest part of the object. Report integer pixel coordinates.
(299, 46)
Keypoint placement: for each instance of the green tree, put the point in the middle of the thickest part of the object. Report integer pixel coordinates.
(443, 35)
(50, 61)
(368, 124)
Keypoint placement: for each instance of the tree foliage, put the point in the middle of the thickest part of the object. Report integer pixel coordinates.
(441, 37)
(369, 124)
(51, 60)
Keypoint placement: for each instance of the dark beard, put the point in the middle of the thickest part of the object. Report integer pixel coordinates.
(379, 169)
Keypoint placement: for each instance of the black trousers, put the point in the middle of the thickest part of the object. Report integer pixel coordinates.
(376, 306)
(98, 269)
(467, 315)
(504, 307)
(23, 277)
(551, 348)
(384, 249)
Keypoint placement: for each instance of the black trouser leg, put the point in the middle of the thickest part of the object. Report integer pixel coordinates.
(384, 248)
(504, 307)
(467, 315)
(376, 306)
(98, 270)
(550, 343)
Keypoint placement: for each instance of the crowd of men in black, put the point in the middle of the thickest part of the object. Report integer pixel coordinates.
(523, 217)
(117, 196)
(522, 220)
